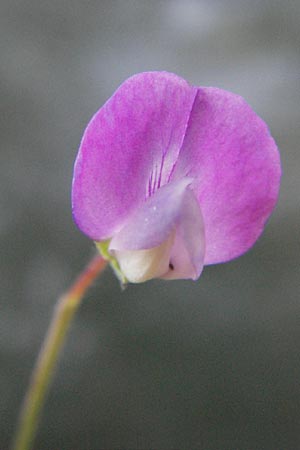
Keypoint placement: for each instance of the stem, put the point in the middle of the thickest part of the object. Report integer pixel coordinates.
(43, 371)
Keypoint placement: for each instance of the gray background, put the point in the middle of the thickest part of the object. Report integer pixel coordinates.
(212, 365)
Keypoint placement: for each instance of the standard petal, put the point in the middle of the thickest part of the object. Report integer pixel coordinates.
(235, 164)
(172, 211)
(129, 150)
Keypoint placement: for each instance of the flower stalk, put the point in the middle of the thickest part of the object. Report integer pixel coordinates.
(43, 372)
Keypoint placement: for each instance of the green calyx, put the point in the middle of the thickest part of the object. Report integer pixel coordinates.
(102, 247)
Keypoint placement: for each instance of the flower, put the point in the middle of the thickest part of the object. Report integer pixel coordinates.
(170, 177)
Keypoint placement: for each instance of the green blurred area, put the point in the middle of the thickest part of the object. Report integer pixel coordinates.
(211, 365)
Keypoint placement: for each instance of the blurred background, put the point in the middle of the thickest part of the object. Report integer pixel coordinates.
(212, 364)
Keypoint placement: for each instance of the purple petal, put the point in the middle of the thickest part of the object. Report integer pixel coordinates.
(236, 168)
(173, 208)
(129, 150)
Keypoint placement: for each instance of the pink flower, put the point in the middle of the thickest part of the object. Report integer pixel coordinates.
(170, 177)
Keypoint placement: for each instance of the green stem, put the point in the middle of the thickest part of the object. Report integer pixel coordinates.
(43, 372)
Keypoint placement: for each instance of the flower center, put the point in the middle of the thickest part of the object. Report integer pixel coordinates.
(142, 265)
(163, 237)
